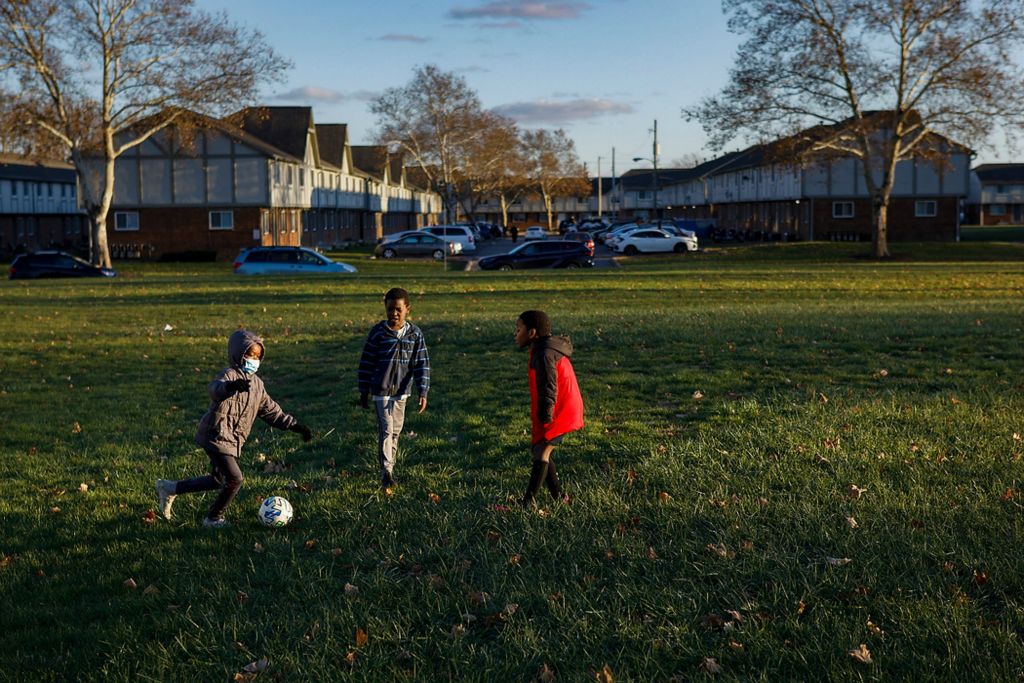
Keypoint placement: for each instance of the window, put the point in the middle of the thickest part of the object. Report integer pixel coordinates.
(222, 220)
(289, 176)
(925, 209)
(258, 256)
(49, 189)
(302, 177)
(126, 220)
(39, 189)
(277, 174)
(842, 209)
(14, 188)
(644, 194)
(997, 210)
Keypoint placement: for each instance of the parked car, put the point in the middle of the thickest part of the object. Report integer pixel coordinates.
(583, 238)
(54, 264)
(535, 232)
(418, 244)
(654, 240)
(612, 238)
(546, 254)
(286, 261)
(455, 233)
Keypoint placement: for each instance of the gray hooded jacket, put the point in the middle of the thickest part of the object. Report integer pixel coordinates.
(227, 422)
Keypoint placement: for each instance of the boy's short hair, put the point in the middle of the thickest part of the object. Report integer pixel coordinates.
(537, 320)
(397, 294)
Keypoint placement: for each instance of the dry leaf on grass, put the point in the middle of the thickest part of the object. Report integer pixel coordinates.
(458, 630)
(76, 428)
(434, 498)
(151, 590)
(837, 561)
(709, 666)
(720, 550)
(604, 675)
(664, 497)
(257, 547)
(351, 591)
(83, 487)
(130, 584)
(861, 654)
(854, 492)
(251, 670)
(874, 629)
(852, 523)
(361, 637)
(698, 395)
(546, 674)
(149, 517)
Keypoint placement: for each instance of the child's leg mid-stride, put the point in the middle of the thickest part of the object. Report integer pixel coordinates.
(390, 420)
(225, 474)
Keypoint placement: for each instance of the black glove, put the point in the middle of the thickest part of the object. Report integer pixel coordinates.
(301, 429)
(364, 400)
(237, 385)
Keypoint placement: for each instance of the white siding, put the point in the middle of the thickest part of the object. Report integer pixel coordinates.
(188, 181)
(126, 183)
(218, 181)
(844, 177)
(251, 180)
(156, 181)
(927, 178)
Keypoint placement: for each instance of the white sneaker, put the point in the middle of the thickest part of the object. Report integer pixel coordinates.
(165, 499)
(214, 523)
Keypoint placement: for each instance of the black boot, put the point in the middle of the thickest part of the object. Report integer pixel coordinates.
(551, 481)
(537, 477)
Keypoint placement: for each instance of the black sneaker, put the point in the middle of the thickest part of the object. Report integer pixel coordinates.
(387, 481)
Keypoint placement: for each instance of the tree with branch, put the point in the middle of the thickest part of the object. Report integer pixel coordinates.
(493, 165)
(553, 167)
(103, 76)
(436, 117)
(880, 81)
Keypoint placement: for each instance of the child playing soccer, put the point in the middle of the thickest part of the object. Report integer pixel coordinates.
(556, 407)
(394, 357)
(238, 397)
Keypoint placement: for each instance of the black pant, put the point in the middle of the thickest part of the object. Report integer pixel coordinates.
(225, 474)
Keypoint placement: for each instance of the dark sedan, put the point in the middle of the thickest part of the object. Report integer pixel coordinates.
(545, 254)
(54, 264)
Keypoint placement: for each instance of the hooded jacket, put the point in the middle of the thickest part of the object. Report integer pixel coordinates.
(556, 406)
(228, 421)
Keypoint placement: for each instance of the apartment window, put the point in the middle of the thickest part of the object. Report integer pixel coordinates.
(842, 209)
(265, 222)
(277, 174)
(289, 176)
(302, 177)
(126, 220)
(644, 194)
(14, 188)
(49, 189)
(997, 210)
(39, 189)
(222, 220)
(925, 208)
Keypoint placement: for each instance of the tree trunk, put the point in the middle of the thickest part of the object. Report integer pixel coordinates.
(504, 211)
(880, 227)
(547, 207)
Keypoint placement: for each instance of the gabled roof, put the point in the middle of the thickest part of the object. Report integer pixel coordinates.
(1000, 173)
(332, 139)
(397, 169)
(16, 167)
(643, 178)
(285, 128)
(606, 185)
(371, 159)
(416, 178)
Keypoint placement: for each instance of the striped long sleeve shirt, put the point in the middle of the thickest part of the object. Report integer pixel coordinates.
(393, 360)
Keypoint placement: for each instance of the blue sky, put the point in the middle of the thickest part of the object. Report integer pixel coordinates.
(603, 70)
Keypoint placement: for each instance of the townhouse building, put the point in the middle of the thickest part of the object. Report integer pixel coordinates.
(999, 199)
(39, 207)
(206, 188)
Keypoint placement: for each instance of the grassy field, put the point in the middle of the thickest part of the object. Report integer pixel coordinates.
(790, 451)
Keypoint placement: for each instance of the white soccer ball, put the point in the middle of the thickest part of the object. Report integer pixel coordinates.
(275, 511)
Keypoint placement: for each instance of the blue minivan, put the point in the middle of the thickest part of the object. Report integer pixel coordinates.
(287, 261)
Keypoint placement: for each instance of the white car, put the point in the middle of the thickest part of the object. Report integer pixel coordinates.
(652, 240)
(455, 233)
(616, 235)
(535, 232)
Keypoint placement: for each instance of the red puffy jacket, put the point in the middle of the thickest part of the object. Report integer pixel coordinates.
(556, 406)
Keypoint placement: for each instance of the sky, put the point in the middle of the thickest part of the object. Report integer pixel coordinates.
(602, 70)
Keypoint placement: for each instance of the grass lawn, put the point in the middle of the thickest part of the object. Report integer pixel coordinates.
(790, 451)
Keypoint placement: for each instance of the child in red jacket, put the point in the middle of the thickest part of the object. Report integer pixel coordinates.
(556, 407)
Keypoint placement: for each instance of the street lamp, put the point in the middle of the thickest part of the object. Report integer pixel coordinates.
(654, 181)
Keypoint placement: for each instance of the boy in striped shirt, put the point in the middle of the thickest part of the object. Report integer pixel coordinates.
(394, 358)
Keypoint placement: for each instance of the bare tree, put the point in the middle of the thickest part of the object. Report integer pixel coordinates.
(876, 80)
(435, 117)
(102, 76)
(553, 168)
(493, 165)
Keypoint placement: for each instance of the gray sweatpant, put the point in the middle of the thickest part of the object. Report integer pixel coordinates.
(390, 419)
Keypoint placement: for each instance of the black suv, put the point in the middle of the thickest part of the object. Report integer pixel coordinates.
(54, 264)
(541, 254)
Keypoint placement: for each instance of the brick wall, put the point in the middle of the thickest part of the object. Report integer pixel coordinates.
(904, 226)
(174, 231)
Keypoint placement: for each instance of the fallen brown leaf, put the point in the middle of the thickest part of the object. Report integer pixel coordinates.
(361, 637)
(151, 590)
(546, 674)
(861, 654)
(130, 584)
(852, 523)
(604, 675)
(837, 561)
(434, 498)
(351, 591)
(709, 666)
(854, 492)
(149, 517)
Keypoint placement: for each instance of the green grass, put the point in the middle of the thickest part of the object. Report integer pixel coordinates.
(817, 369)
(999, 233)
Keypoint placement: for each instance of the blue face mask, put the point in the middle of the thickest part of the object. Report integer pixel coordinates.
(250, 365)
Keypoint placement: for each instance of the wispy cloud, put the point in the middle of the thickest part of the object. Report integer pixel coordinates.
(312, 93)
(520, 9)
(473, 70)
(402, 38)
(549, 111)
(501, 25)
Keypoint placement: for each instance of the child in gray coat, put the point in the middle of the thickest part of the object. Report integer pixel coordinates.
(237, 398)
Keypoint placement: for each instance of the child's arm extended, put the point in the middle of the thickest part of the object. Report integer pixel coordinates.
(221, 388)
(271, 413)
(547, 386)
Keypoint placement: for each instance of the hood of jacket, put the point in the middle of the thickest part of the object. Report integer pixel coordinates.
(239, 343)
(561, 344)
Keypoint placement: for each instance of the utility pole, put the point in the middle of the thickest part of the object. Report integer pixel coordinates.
(615, 195)
(598, 187)
(654, 160)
